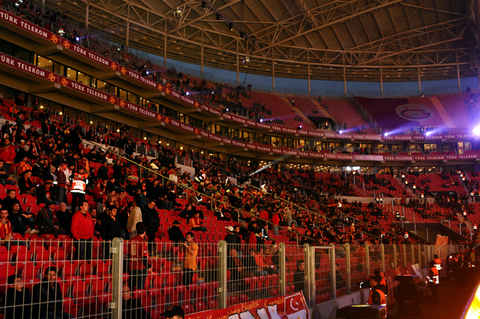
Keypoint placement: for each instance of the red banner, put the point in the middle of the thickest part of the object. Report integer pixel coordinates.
(285, 307)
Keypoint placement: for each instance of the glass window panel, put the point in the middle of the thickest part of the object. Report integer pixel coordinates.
(45, 63)
(71, 74)
(83, 78)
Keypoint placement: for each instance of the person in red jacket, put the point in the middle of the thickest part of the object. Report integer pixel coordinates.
(82, 231)
(7, 154)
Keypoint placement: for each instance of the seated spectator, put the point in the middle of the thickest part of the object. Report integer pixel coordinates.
(47, 297)
(175, 234)
(64, 216)
(11, 199)
(132, 308)
(3, 173)
(5, 227)
(222, 214)
(46, 193)
(21, 220)
(16, 301)
(46, 222)
(188, 212)
(26, 183)
(196, 223)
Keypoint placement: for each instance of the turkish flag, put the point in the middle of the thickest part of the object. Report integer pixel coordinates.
(295, 307)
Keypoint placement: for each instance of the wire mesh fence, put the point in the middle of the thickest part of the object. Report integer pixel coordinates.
(41, 277)
(85, 279)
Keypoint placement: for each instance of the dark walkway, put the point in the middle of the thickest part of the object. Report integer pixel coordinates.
(452, 300)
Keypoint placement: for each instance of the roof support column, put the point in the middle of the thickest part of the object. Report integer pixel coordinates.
(308, 77)
(201, 61)
(381, 82)
(344, 81)
(128, 35)
(127, 42)
(238, 69)
(87, 11)
(273, 75)
(165, 51)
(458, 72)
(419, 82)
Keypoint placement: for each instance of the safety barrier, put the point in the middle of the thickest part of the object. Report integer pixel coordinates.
(102, 279)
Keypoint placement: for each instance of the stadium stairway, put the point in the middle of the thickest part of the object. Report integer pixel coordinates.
(321, 109)
(306, 120)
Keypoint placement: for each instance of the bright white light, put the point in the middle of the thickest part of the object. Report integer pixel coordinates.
(340, 132)
(386, 134)
(476, 130)
(187, 93)
(261, 120)
(429, 133)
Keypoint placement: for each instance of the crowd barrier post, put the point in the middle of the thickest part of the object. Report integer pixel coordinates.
(420, 255)
(309, 277)
(333, 273)
(117, 277)
(382, 249)
(282, 281)
(395, 265)
(222, 288)
(348, 270)
(367, 258)
(313, 283)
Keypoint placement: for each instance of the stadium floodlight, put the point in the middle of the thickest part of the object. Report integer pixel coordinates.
(476, 130)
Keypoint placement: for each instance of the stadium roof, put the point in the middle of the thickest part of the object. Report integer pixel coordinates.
(320, 39)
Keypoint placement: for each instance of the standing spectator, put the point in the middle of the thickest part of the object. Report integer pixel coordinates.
(110, 228)
(236, 268)
(299, 276)
(139, 266)
(175, 233)
(82, 231)
(47, 297)
(62, 183)
(152, 221)
(16, 301)
(45, 220)
(79, 185)
(190, 263)
(134, 218)
(232, 238)
(7, 154)
(174, 312)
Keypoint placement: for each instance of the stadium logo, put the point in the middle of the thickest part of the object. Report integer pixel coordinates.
(414, 112)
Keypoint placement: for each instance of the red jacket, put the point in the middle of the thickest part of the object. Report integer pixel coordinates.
(7, 154)
(82, 226)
